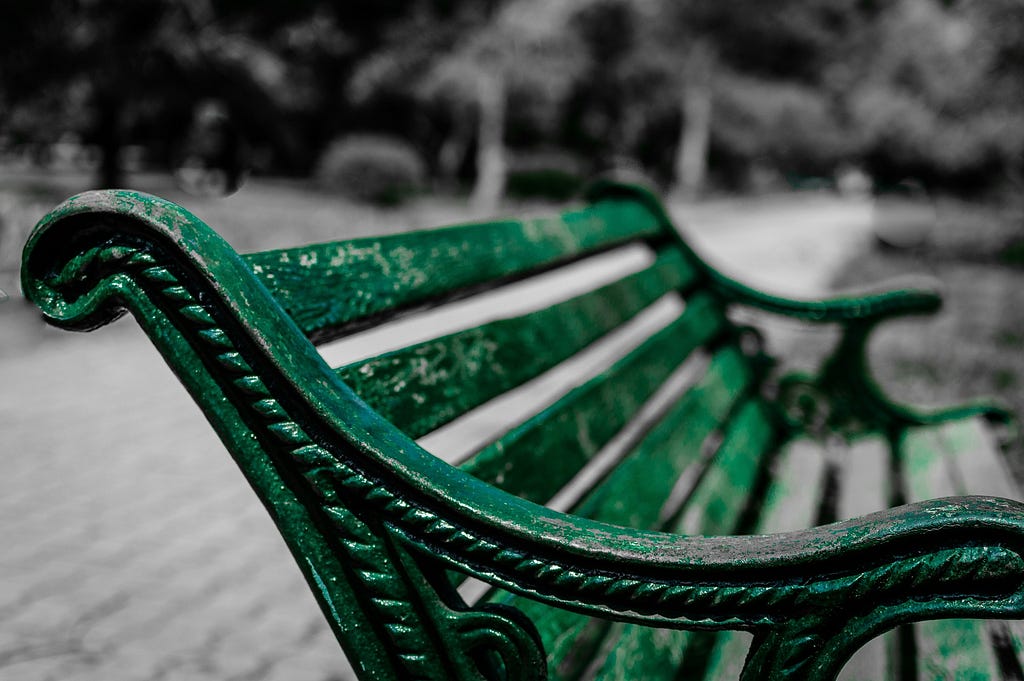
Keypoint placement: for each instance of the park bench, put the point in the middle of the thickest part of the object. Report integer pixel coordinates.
(668, 499)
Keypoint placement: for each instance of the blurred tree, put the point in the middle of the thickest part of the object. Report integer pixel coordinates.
(396, 75)
(604, 116)
(698, 44)
(1002, 22)
(121, 66)
(937, 93)
(473, 65)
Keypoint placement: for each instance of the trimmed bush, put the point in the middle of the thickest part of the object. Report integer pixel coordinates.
(371, 168)
(546, 183)
(539, 175)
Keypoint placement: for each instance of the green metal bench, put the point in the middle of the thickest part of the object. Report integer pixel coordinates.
(679, 505)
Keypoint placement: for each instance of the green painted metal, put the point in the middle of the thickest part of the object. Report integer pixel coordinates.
(635, 495)
(842, 396)
(425, 386)
(374, 521)
(326, 288)
(714, 508)
(958, 648)
(785, 508)
(537, 458)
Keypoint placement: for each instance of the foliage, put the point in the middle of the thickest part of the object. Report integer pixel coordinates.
(785, 125)
(933, 96)
(371, 168)
(909, 88)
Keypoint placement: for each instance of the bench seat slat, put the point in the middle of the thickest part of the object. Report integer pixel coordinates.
(537, 458)
(953, 648)
(715, 508)
(865, 486)
(981, 469)
(424, 386)
(327, 287)
(635, 493)
(794, 496)
(791, 503)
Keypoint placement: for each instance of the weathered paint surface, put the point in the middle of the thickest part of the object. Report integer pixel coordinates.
(422, 387)
(866, 486)
(373, 520)
(538, 458)
(714, 508)
(791, 502)
(635, 493)
(328, 285)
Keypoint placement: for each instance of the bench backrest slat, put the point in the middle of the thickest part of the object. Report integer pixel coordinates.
(426, 385)
(636, 492)
(330, 289)
(537, 458)
(718, 503)
(656, 654)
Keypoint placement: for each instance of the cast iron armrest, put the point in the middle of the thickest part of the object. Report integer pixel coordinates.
(842, 395)
(843, 309)
(342, 483)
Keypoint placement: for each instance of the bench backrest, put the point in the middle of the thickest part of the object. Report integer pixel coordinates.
(335, 289)
(626, 443)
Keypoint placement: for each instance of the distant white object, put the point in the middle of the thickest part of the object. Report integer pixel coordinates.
(851, 180)
(904, 217)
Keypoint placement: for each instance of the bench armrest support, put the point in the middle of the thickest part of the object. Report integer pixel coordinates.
(842, 396)
(874, 305)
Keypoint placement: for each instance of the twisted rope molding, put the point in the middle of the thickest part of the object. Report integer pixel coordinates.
(337, 484)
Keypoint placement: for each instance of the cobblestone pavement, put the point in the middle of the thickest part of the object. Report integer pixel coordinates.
(131, 546)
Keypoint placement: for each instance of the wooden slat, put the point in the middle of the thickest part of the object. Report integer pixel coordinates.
(714, 508)
(539, 457)
(325, 287)
(792, 503)
(634, 494)
(865, 478)
(794, 496)
(979, 468)
(865, 486)
(958, 648)
(464, 437)
(728, 655)
(426, 385)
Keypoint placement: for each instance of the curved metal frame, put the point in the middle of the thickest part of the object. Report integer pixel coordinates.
(372, 518)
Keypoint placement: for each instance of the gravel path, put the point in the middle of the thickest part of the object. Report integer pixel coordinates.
(133, 549)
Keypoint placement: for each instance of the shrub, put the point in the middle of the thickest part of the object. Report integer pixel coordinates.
(371, 168)
(546, 183)
(788, 126)
(542, 175)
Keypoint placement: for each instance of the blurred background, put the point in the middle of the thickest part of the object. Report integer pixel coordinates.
(806, 145)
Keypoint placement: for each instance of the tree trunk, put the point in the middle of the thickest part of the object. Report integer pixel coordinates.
(491, 168)
(453, 150)
(692, 153)
(108, 137)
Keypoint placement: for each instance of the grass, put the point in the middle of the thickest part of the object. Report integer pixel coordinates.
(975, 346)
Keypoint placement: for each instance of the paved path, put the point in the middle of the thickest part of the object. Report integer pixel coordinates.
(133, 549)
